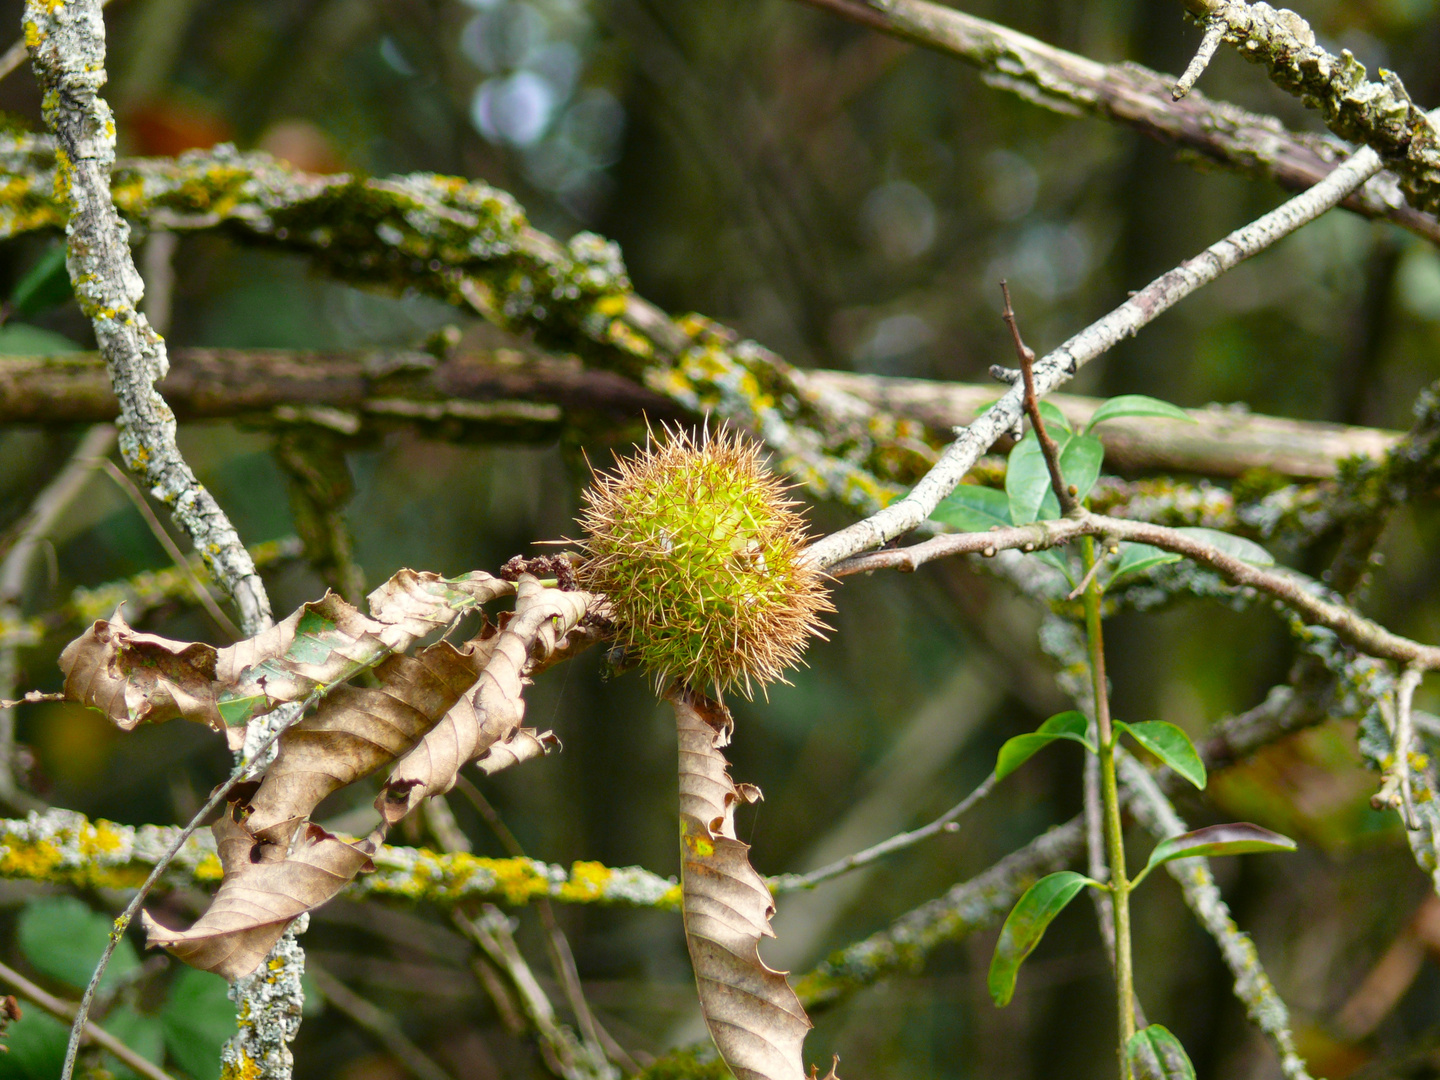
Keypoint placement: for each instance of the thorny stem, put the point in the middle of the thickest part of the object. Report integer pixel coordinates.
(1110, 796)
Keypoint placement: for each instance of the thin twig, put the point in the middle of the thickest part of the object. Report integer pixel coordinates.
(122, 923)
(1048, 449)
(1214, 34)
(1286, 586)
(1061, 365)
(202, 594)
(65, 1010)
(562, 958)
(44, 513)
(378, 1023)
(782, 883)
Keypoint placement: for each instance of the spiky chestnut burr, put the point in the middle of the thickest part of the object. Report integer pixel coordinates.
(695, 546)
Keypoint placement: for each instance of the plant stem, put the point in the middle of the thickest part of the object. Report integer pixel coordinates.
(1109, 793)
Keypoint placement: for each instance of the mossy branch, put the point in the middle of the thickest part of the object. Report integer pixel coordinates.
(63, 847)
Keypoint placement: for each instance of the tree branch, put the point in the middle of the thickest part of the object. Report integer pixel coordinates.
(509, 394)
(67, 44)
(1137, 97)
(1377, 114)
(1061, 365)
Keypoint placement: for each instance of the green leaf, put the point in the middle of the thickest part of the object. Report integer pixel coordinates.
(1239, 838)
(1026, 925)
(1155, 1053)
(1136, 558)
(141, 1034)
(1080, 460)
(63, 938)
(1171, 745)
(1067, 725)
(1056, 558)
(1136, 405)
(1236, 546)
(971, 508)
(22, 339)
(36, 1044)
(1027, 480)
(44, 286)
(1054, 418)
(197, 1019)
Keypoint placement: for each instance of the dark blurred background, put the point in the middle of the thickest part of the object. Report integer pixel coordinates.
(851, 202)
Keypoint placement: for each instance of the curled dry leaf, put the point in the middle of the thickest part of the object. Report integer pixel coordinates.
(756, 1020)
(521, 745)
(262, 892)
(356, 729)
(492, 712)
(133, 677)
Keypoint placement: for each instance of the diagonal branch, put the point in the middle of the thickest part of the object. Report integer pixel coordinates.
(1214, 131)
(1061, 365)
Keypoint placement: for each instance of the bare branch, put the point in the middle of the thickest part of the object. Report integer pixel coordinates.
(1286, 586)
(1214, 131)
(1048, 449)
(1061, 365)
(64, 1010)
(945, 823)
(1214, 34)
(519, 395)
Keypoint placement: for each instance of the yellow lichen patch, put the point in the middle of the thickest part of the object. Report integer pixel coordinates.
(36, 861)
(100, 837)
(587, 882)
(671, 897)
(627, 339)
(516, 879)
(64, 170)
(613, 305)
(209, 869)
(32, 34)
(244, 1067)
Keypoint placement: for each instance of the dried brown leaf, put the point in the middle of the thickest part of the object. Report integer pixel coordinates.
(356, 730)
(756, 1020)
(494, 709)
(522, 744)
(135, 678)
(263, 890)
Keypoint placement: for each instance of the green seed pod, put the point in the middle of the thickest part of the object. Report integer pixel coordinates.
(697, 549)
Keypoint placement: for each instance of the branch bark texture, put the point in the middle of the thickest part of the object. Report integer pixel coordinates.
(1135, 96)
(67, 45)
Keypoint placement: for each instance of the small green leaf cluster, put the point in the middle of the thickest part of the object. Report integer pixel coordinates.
(62, 939)
(697, 550)
(1044, 900)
